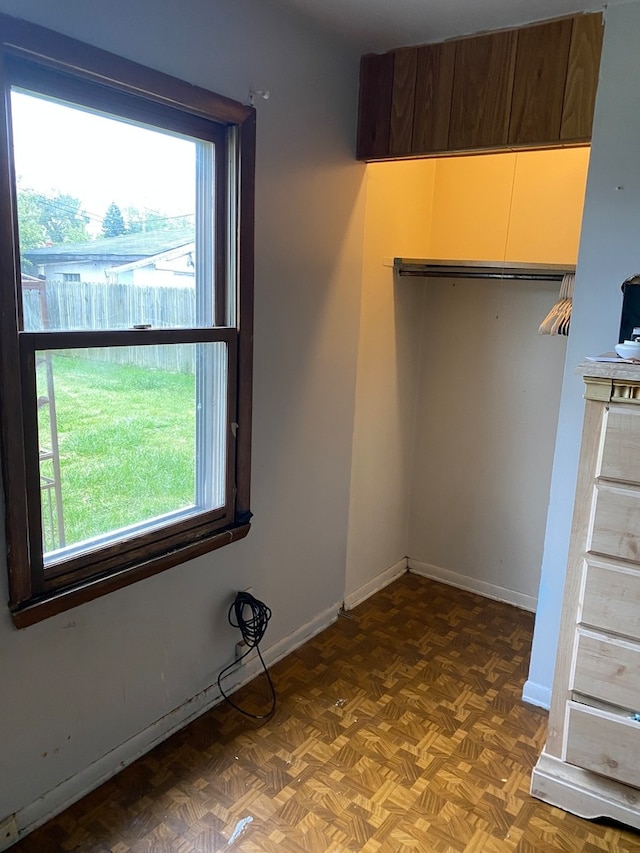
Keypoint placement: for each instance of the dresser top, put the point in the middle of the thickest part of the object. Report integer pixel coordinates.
(610, 370)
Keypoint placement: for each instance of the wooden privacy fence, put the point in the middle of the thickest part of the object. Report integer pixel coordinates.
(80, 305)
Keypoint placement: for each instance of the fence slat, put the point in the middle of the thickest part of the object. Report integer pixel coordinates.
(77, 305)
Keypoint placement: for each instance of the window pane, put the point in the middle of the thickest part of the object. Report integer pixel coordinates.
(115, 218)
(130, 438)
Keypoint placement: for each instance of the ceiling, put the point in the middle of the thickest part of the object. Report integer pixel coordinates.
(379, 25)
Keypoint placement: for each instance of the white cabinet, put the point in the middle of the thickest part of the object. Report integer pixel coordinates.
(591, 762)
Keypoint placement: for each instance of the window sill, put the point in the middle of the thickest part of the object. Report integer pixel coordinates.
(37, 611)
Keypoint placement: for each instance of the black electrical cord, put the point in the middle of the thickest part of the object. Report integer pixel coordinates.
(251, 617)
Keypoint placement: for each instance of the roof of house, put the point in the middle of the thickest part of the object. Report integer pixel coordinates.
(115, 250)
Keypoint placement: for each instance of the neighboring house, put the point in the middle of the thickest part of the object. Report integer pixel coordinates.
(164, 258)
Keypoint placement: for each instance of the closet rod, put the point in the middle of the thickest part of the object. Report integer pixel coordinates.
(481, 269)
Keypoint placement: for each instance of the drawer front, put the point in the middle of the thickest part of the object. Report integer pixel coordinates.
(612, 599)
(616, 523)
(608, 670)
(604, 743)
(621, 449)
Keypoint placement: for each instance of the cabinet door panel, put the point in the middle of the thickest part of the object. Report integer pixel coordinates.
(482, 86)
(403, 100)
(434, 89)
(374, 107)
(582, 78)
(538, 87)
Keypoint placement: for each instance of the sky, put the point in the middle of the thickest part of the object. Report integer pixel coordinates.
(100, 160)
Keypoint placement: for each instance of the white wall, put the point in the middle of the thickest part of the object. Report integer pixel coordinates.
(83, 691)
(398, 223)
(488, 396)
(609, 253)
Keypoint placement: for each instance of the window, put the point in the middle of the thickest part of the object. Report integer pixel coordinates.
(126, 431)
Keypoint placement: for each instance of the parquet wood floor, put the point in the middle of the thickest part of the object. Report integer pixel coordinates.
(399, 730)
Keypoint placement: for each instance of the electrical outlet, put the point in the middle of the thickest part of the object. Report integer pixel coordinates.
(8, 832)
(241, 648)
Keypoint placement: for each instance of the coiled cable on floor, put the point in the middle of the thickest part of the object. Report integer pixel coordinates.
(251, 617)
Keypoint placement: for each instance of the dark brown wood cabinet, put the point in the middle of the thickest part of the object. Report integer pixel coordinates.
(434, 87)
(533, 87)
(539, 82)
(582, 78)
(374, 107)
(403, 95)
(482, 84)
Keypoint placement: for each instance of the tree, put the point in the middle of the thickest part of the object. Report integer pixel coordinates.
(134, 220)
(63, 219)
(49, 220)
(32, 231)
(152, 220)
(113, 222)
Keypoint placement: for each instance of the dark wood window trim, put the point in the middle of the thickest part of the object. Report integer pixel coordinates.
(48, 56)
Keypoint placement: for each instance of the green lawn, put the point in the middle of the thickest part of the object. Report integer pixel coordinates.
(126, 438)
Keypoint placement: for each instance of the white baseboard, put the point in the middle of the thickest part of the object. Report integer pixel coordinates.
(379, 582)
(63, 795)
(488, 590)
(536, 694)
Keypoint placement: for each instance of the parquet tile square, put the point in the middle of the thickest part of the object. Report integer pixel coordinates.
(399, 730)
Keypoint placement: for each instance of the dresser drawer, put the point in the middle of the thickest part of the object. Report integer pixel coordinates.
(616, 522)
(612, 599)
(620, 458)
(608, 669)
(604, 743)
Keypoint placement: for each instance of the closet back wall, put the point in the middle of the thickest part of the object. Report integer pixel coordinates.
(488, 400)
(489, 385)
(519, 207)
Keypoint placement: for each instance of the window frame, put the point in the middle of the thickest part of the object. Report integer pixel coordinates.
(57, 60)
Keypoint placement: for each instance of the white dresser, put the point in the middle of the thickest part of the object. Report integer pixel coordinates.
(591, 762)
